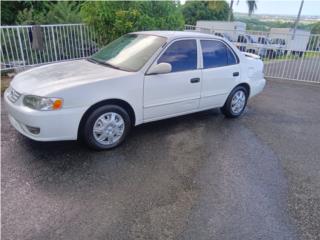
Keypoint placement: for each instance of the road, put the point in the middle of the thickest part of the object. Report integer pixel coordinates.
(307, 69)
(199, 176)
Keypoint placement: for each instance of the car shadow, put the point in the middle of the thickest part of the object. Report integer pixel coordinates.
(67, 166)
(161, 127)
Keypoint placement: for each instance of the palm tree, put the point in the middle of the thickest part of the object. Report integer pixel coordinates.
(230, 10)
(252, 6)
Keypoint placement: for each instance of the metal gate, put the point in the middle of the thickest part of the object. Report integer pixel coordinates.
(58, 42)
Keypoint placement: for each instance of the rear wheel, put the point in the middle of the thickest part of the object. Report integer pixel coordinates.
(106, 127)
(236, 102)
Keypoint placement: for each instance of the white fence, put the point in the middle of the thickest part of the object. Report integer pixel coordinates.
(286, 55)
(23, 46)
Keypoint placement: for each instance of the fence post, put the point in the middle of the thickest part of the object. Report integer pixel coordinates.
(81, 35)
(20, 45)
(300, 65)
(54, 43)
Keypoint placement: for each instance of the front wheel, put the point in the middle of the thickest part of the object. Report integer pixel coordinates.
(236, 102)
(106, 127)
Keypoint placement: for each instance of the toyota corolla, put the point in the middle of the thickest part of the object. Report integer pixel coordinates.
(138, 78)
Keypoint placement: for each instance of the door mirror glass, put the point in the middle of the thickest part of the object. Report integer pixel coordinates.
(160, 68)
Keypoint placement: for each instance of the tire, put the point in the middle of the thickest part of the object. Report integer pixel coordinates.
(112, 123)
(229, 107)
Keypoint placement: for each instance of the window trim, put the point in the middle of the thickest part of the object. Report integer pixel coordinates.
(168, 44)
(226, 45)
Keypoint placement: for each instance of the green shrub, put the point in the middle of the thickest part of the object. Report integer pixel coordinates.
(205, 10)
(51, 13)
(113, 19)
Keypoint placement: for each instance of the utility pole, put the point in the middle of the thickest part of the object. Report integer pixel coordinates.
(297, 20)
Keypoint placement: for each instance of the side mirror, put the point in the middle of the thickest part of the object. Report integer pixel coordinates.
(160, 68)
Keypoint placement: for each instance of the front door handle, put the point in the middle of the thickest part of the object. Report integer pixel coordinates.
(235, 74)
(194, 80)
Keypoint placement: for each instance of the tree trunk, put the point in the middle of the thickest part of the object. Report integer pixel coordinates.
(230, 10)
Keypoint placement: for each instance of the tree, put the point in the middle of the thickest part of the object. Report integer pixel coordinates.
(30, 16)
(63, 12)
(50, 13)
(10, 10)
(316, 28)
(112, 19)
(230, 10)
(252, 6)
(205, 10)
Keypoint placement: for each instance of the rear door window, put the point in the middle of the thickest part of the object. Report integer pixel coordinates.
(216, 54)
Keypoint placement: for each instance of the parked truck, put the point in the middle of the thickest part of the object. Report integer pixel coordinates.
(257, 44)
(229, 29)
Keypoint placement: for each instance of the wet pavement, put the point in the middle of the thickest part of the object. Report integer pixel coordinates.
(199, 176)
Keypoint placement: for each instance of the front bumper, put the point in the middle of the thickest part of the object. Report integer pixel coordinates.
(54, 125)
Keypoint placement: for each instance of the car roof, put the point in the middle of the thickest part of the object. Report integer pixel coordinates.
(178, 34)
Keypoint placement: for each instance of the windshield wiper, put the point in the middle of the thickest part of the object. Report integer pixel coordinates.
(103, 63)
(92, 60)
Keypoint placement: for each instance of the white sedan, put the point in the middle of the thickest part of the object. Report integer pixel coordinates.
(138, 78)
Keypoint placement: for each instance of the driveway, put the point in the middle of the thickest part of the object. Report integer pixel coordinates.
(199, 176)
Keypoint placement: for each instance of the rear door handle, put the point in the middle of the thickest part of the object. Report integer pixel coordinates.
(235, 74)
(194, 80)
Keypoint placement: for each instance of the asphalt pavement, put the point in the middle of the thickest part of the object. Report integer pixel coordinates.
(199, 176)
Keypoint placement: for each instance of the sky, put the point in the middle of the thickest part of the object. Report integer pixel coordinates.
(280, 7)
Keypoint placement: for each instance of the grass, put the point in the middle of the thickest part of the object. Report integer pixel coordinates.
(311, 54)
(290, 57)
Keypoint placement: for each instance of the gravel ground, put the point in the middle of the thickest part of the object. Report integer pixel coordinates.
(199, 176)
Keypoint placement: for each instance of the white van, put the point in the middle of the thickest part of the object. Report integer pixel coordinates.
(296, 44)
(230, 29)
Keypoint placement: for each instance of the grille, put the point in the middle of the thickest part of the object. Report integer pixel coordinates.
(13, 95)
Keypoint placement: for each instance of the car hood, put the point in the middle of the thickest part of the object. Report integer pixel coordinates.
(53, 77)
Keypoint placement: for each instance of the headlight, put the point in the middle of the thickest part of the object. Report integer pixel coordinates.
(42, 103)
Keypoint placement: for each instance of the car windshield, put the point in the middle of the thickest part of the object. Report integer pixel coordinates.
(129, 52)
